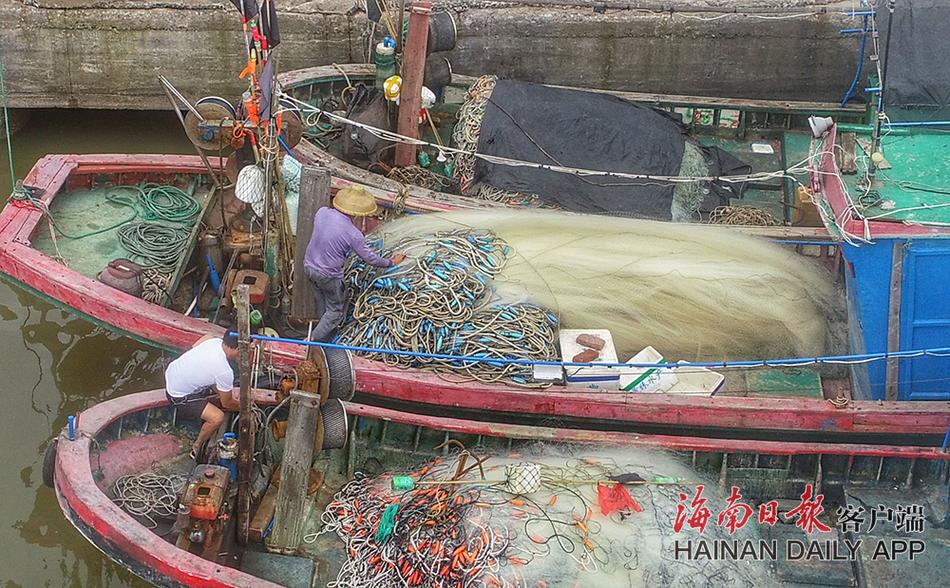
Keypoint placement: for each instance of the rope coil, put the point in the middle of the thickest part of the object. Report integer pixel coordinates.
(441, 302)
(158, 245)
(149, 495)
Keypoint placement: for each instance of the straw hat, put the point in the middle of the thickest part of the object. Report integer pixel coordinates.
(355, 201)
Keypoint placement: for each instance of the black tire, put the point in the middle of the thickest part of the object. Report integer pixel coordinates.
(49, 464)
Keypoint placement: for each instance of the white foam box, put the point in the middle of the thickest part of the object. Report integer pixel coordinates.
(646, 379)
(696, 381)
(589, 377)
(684, 381)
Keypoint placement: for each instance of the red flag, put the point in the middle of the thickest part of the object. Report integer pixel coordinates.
(615, 498)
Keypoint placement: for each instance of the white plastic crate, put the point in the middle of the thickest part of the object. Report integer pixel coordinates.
(595, 376)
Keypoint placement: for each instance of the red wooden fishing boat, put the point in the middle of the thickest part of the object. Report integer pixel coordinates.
(71, 188)
(138, 434)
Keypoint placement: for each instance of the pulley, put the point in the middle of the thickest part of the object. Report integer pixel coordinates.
(209, 134)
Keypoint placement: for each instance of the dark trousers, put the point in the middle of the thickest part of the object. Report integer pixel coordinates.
(330, 295)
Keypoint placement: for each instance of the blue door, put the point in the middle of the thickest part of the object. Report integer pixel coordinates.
(925, 319)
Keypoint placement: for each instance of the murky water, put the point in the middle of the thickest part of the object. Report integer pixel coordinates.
(53, 365)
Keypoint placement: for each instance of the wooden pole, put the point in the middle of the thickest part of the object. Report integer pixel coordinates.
(290, 514)
(894, 323)
(314, 195)
(413, 70)
(246, 427)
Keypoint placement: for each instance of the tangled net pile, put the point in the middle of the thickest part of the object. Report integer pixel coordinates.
(742, 215)
(149, 495)
(465, 137)
(440, 301)
(466, 131)
(473, 531)
(416, 175)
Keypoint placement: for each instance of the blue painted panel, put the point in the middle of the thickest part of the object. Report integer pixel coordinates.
(925, 319)
(869, 288)
(860, 380)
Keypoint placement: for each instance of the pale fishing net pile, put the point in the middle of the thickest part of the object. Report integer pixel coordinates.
(535, 519)
(692, 292)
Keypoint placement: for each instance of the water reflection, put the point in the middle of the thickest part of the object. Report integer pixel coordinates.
(53, 365)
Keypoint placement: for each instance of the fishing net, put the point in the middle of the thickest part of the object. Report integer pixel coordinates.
(473, 531)
(587, 130)
(692, 292)
(290, 170)
(441, 302)
(465, 133)
(742, 215)
(419, 176)
(688, 196)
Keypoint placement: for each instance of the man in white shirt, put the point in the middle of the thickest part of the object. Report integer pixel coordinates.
(201, 384)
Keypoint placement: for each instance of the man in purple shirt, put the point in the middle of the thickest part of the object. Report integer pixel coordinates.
(334, 237)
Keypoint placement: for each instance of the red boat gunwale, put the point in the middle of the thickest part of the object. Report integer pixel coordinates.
(116, 533)
(167, 328)
(121, 537)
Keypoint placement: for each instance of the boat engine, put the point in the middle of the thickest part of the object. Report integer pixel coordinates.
(203, 511)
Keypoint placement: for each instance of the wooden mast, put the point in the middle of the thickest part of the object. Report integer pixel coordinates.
(413, 70)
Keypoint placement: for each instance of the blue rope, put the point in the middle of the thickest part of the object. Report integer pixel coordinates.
(287, 149)
(857, 75)
(800, 361)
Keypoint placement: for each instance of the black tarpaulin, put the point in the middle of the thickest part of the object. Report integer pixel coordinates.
(266, 15)
(918, 69)
(588, 130)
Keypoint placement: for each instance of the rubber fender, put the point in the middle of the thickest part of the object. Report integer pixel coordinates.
(49, 463)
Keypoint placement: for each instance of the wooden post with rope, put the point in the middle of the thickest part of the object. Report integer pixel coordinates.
(246, 427)
(295, 477)
(314, 194)
(413, 70)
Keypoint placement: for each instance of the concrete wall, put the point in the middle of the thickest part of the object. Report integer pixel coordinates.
(108, 54)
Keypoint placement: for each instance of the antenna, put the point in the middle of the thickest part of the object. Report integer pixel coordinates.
(881, 115)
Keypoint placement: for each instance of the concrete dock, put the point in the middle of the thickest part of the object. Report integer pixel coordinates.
(108, 53)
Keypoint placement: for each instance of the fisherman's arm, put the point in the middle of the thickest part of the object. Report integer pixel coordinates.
(358, 243)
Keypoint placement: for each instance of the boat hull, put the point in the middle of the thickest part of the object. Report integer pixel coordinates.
(424, 391)
(124, 540)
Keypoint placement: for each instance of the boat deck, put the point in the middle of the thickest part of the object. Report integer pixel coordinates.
(84, 215)
(917, 165)
(766, 151)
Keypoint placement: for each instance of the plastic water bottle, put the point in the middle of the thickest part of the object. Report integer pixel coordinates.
(385, 62)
